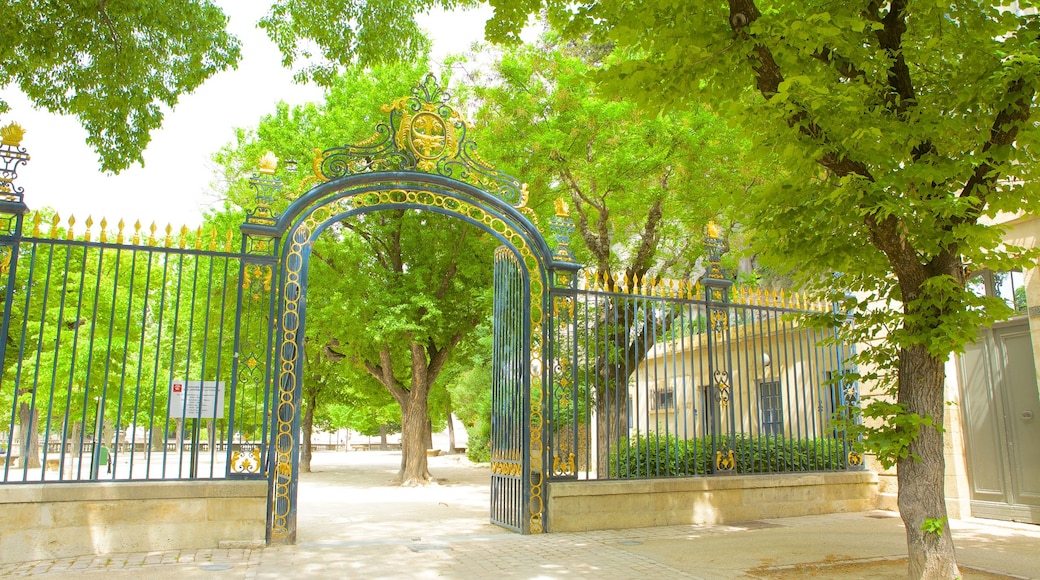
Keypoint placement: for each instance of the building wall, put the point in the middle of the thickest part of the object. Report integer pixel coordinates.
(1021, 231)
(787, 355)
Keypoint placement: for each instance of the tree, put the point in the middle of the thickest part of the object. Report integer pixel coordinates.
(642, 186)
(114, 67)
(905, 127)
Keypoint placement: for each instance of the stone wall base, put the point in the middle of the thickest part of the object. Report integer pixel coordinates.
(62, 520)
(576, 506)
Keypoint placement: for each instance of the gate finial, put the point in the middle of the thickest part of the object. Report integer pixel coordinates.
(12, 155)
(715, 246)
(267, 188)
(562, 227)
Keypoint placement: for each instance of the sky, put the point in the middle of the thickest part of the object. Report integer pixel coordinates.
(177, 183)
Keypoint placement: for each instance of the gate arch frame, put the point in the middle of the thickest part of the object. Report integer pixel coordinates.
(284, 243)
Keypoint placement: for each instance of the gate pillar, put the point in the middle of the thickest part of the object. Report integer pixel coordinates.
(12, 212)
(723, 423)
(252, 369)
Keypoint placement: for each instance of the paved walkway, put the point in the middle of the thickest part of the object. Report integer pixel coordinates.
(353, 525)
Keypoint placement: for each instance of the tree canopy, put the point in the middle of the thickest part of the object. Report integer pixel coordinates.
(113, 66)
(906, 130)
(905, 127)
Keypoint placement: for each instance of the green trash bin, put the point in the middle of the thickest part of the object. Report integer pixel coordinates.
(103, 458)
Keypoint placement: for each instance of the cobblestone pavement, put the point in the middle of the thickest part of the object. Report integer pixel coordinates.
(353, 525)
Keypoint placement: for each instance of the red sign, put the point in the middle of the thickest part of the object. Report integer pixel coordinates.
(177, 387)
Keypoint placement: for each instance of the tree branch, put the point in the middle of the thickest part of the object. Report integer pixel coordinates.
(383, 372)
(647, 243)
(102, 9)
(597, 242)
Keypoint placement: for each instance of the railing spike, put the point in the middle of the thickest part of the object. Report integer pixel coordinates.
(151, 234)
(119, 233)
(70, 234)
(89, 224)
(227, 245)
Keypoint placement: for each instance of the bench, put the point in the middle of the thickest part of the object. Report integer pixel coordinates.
(370, 446)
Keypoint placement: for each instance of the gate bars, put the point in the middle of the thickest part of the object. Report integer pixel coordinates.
(660, 378)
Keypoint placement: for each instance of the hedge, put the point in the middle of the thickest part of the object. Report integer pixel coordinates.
(655, 455)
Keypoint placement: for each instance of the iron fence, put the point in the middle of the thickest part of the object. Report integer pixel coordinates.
(664, 379)
(118, 356)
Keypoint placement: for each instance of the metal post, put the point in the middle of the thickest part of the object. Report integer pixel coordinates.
(99, 426)
(720, 372)
(12, 210)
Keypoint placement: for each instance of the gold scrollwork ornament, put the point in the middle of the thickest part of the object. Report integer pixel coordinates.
(246, 461)
(725, 461)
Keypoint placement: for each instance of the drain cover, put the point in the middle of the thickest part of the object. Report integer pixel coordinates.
(630, 543)
(215, 567)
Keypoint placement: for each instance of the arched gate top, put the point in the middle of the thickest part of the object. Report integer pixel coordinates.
(424, 133)
(424, 143)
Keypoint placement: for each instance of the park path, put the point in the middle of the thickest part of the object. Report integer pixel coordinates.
(349, 499)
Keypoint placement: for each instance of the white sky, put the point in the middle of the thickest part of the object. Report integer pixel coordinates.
(176, 183)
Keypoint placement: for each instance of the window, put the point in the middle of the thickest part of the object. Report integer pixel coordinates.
(664, 399)
(771, 407)
(1008, 286)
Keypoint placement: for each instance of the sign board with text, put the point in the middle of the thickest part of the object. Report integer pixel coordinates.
(196, 399)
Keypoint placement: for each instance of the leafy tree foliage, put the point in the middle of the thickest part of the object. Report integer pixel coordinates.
(112, 65)
(323, 37)
(905, 127)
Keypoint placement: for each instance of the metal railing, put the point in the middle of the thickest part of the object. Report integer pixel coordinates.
(660, 380)
(118, 356)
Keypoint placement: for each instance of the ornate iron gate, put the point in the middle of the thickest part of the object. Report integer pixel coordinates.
(510, 465)
(420, 159)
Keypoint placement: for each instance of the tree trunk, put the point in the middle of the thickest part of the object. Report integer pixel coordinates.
(307, 426)
(27, 421)
(611, 422)
(414, 469)
(451, 432)
(428, 433)
(211, 433)
(921, 491)
(382, 437)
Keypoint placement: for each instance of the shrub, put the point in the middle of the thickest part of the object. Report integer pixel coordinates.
(654, 455)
